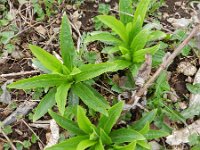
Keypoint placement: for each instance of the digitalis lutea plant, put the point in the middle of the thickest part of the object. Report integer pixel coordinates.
(65, 76)
(129, 38)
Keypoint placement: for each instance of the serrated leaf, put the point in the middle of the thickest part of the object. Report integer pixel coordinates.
(194, 89)
(125, 135)
(61, 96)
(147, 118)
(90, 71)
(102, 36)
(116, 25)
(47, 60)
(139, 56)
(46, 103)
(91, 97)
(125, 11)
(85, 144)
(140, 40)
(66, 43)
(71, 143)
(44, 80)
(107, 122)
(155, 134)
(66, 123)
(141, 10)
(83, 121)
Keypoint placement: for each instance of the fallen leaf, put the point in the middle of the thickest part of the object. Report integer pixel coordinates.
(182, 135)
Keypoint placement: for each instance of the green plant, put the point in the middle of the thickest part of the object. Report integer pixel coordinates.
(101, 136)
(129, 38)
(65, 76)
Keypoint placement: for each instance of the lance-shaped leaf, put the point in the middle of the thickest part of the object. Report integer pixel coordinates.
(102, 36)
(90, 71)
(91, 97)
(155, 134)
(125, 11)
(61, 96)
(140, 40)
(141, 10)
(99, 146)
(83, 121)
(85, 144)
(66, 123)
(66, 43)
(130, 146)
(44, 80)
(139, 56)
(156, 35)
(46, 103)
(70, 144)
(147, 118)
(47, 60)
(116, 25)
(107, 122)
(125, 135)
(105, 137)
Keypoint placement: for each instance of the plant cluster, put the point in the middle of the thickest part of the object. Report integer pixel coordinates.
(126, 45)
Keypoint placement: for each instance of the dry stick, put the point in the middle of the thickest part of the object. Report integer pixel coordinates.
(19, 73)
(163, 66)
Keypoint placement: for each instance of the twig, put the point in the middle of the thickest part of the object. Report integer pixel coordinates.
(19, 73)
(7, 138)
(32, 131)
(163, 66)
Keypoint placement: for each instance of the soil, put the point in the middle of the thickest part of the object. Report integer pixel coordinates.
(13, 66)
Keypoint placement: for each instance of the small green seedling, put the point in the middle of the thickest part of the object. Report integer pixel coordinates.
(129, 38)
(65, 76)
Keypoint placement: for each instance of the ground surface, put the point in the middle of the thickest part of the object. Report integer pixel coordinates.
(44, 34)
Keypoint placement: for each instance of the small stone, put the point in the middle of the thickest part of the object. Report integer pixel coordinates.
(107, 1)
(17, 55)
(182, 105)
(41, 30)
(69, 7)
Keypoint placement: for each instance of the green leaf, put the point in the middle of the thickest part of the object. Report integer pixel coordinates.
(71, 143)
(125, 135)
(66, 43)
(105, 137)
(155, 134)
(90, 71)
(46, 103)
(44, 80)
(156, 35)
(102, 36)
(140, 40)
(130, 146)
(91, 97)
(162, 84)
(99, 146)
(48, 61)
(145, 129)
(125, 8)
(83, 121)
(133, 29)
(147, 118)
(139, 56)
(85, 144)
(66, 123)
(141, 10)
(107, 122)
(61, 96)
(194, 89)
(144, 144)
(116, 25)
